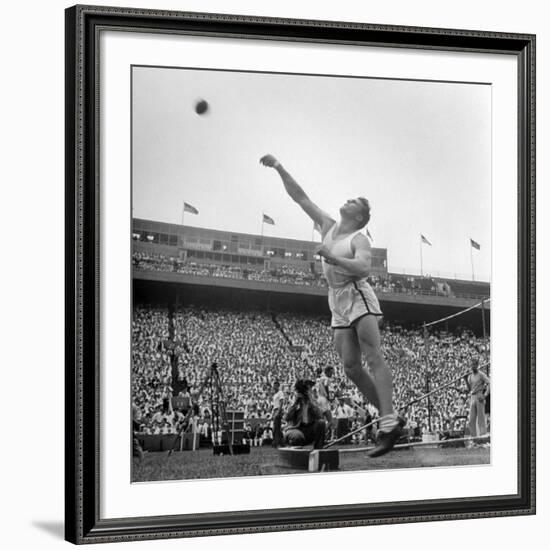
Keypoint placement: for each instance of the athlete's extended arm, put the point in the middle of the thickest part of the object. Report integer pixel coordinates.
(298, 195)
(360, 263)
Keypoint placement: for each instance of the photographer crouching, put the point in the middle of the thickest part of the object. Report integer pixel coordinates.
(305, 424)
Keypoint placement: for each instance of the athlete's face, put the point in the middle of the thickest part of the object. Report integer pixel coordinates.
(352, 208)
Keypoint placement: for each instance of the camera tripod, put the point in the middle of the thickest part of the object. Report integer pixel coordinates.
(212, 384)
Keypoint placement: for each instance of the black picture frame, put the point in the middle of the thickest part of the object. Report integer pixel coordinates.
(82, 285)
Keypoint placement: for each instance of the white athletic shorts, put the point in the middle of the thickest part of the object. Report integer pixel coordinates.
(351, 302)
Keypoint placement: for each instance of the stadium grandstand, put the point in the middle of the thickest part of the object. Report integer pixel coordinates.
(173, 248)
(257, 306)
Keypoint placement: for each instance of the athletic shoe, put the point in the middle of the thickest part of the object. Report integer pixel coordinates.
(387, 440)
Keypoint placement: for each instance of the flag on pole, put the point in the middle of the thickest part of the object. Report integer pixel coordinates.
(424, 240)
(475, 245)
(189, 208)
(268, 219)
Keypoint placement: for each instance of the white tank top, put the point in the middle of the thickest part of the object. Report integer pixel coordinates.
(335, 275)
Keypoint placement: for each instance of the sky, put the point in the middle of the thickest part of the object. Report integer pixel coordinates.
(419, 151)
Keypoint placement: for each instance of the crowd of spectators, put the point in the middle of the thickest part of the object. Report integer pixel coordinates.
(151, 373)
(405, 351)
(252, 353)
(254, 349)
(305, 275)
(282, 273)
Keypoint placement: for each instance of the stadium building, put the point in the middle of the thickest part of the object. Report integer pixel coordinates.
(178, 264)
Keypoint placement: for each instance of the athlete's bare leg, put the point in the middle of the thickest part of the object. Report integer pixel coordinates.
(377, 387)
(369, 341)
(348, 348)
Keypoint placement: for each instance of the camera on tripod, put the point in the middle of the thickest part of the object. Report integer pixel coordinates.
(227, 426)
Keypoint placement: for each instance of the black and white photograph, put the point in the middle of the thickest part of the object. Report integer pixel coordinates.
(299, 273)
(270, 274)
(311, 273)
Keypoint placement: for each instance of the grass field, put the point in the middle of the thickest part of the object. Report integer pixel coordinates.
(266, 461)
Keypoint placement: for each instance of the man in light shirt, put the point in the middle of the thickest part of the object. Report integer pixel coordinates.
(478, 384)
(277, 414)
(324, 395)
(343, 412)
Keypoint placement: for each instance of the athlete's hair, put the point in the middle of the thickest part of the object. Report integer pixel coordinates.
(366, 211)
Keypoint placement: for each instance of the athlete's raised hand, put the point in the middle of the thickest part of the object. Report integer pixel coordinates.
(297, 194)
(269, 161)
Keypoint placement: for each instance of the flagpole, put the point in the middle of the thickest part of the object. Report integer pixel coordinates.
(472, 259)
(484, 328)
(262, 230)
(183, 213)
(421, 267)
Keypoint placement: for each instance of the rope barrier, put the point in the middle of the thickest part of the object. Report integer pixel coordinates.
(403, 407)
(425, 325)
